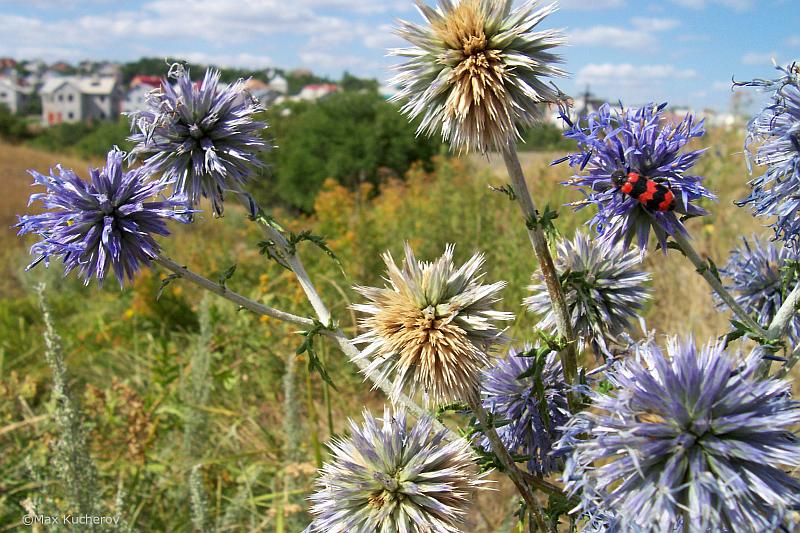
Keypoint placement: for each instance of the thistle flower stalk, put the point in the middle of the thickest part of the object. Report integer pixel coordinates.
(786, 312)
(336, 334)
(514, 473)
(569, 357)
(702, 268)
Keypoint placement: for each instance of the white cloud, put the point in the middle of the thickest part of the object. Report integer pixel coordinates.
(722, 85)
(587, 5)
(324, 60)
(612, 37)
(793, 40)
(758, 58)
(383, 38)
(626, 74)
(636, 84)
(242, 60)
(737, 5)
(655, 24)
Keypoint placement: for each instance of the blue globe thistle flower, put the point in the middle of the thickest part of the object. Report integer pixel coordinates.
(533, 406)
(776, 133)
(603, 287)
(104, 222)
(760, 276)
(640, 141)
(395, 477)
(203, 136)
(693, 433)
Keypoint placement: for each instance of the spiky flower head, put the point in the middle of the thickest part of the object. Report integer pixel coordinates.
(474, 71)
(760, 275)
(773, 141)
(101, 223)
(395, 477)
(431, 327)
(526, 392)
(202, 135)
(604, 289)
(641, 141)
(693, 433)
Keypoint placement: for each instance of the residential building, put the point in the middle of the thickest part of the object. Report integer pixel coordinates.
(317, 91)
(136, 97)
(75, 99)
(13, 95)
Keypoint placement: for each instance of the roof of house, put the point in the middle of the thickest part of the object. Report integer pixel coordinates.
(14, 85)
(141, 79)
(255, 85)
(322, 86)
(86, 85)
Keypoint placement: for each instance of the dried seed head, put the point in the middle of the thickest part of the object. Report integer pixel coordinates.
(474, 72)
(431, 327)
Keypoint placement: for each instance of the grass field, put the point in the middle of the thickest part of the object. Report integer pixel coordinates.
(259, 431)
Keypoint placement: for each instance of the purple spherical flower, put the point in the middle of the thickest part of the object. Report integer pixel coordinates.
(604, 289)
(533, 406)
(760, 275)
(644, 142)
(394, 477)
(776, 132)
(695, 434)
(104, 222)
(201, 134)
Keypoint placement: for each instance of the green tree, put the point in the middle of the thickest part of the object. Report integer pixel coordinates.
(352, 137)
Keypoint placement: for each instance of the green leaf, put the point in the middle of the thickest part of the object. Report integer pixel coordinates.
(307, 347)
(225, 276)
(506, 189)
(318, 241)
(164, 282)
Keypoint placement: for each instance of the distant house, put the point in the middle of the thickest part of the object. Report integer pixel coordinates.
(136, 97)
(317, 91)
(76, 99)
(13, 95)
(279, 85)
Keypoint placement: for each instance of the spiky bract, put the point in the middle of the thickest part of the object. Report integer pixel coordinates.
(759, 276)
(642, 141)
(101, 223)
(773, 141)
(395, 477)
(529, 409)
(693, 433)
(431, 327)
(475, 70)
(202, 135)
(603, 287)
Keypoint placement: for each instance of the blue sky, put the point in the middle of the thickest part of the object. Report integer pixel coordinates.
(682, 51)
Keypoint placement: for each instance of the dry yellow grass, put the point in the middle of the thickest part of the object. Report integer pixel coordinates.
(15, 161)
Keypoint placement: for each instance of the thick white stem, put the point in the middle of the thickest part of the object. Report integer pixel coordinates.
(787, 312)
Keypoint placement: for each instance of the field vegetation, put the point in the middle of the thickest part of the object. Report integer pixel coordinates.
(168, 382)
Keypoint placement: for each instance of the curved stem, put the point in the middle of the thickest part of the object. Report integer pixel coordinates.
(569, 357)
(336, 334)
(702, 268)
(789, 364)
(228, 294)
(514, 473)
(787, 311)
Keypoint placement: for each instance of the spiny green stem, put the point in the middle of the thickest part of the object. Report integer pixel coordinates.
(514, 473)
(702, 268)
(336, 334)
(569, 356)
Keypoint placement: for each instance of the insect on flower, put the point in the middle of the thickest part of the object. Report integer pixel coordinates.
(649, 192)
